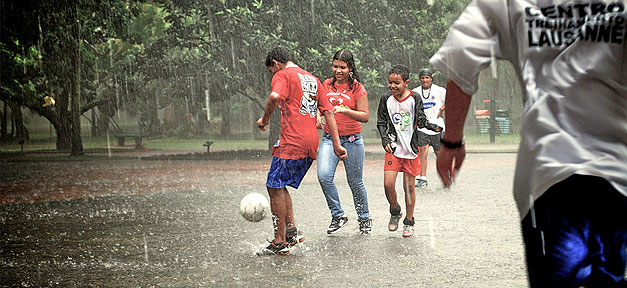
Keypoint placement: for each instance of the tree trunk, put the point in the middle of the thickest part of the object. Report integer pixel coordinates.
(3, 122)
(20, 129)
(225, 127)
(103, 119)
(94, 125)
(63, 132)
(155, 125)
(76, 141)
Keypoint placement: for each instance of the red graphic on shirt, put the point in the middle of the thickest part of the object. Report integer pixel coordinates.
(336, 101)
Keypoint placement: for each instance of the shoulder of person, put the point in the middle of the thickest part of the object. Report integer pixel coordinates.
(435, 87)
(387, 96)
(415, 94)
(358, 86)
(279, 76)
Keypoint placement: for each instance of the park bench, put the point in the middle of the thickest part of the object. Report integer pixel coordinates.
(136, 137)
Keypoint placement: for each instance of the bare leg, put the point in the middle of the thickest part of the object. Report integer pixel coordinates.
(410, 194)
(279, 211)
(424, 150)
(389, 184)
(289, 220)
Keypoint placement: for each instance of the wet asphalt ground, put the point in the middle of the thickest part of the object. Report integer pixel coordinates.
(188, 232)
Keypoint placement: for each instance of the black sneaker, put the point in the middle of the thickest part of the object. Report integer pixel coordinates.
(365, 226)
(294, 237)
(336, 223)
(275, 248)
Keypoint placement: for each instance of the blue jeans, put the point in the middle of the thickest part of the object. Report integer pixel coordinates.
(354, 166)
(577, 235)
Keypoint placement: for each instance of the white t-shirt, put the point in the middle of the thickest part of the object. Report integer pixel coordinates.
(432, 100)
(572, 58)
(402, 116)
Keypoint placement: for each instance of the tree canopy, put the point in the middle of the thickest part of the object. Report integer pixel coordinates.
(169, 63)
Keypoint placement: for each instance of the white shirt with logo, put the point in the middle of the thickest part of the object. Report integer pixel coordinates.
(432, 100)
(571, 57)
(402, 116)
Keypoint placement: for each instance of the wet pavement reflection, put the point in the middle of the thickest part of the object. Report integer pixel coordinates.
(135, 223)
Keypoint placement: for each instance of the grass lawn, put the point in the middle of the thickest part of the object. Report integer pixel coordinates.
(44, 142)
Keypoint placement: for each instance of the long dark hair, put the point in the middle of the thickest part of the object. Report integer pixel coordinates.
(347, 56)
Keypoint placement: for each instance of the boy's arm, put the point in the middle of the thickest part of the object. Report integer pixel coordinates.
(273, 100)
(450, 157)
(382, 121)
(339, 150)
(319, 120)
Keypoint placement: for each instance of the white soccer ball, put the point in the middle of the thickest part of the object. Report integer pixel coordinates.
(254, 207)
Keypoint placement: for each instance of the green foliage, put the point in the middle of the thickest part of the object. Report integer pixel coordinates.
(141, 56)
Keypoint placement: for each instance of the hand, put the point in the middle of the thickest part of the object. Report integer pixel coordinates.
(341, 109)
(340, 151)
(390, 147)
(261, 125)
(448, 163)
(439, 113)
(319, 121)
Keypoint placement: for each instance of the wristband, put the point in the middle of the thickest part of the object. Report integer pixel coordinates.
(452, 145)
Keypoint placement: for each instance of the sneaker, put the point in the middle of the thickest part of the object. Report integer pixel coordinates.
(365, 226)
(393, 225)
(294, 237)
(275, 248)
(421, 183)
(408, 228)
(337, 222)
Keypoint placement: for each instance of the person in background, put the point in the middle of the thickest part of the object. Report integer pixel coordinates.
(570, 183)
(297, 93)
(350, 100)
(399, 116)
(432, 97)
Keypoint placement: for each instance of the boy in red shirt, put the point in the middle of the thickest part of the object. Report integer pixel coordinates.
(298, 94)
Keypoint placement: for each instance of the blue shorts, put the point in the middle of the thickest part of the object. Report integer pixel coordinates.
(576, 235)
(287, 172)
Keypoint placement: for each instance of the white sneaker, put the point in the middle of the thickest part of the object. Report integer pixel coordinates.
(408, 230)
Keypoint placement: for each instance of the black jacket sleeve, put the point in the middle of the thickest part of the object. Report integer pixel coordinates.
(383, 122)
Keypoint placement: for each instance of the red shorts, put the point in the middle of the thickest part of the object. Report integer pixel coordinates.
(393, 163)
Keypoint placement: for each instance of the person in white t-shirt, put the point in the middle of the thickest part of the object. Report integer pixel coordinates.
(432, 97)
(570, 183)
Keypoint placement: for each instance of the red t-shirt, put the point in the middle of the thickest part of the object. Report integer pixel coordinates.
(341, 95)
(299, 92)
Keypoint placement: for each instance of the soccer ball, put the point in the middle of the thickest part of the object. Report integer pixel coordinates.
(254, 207)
